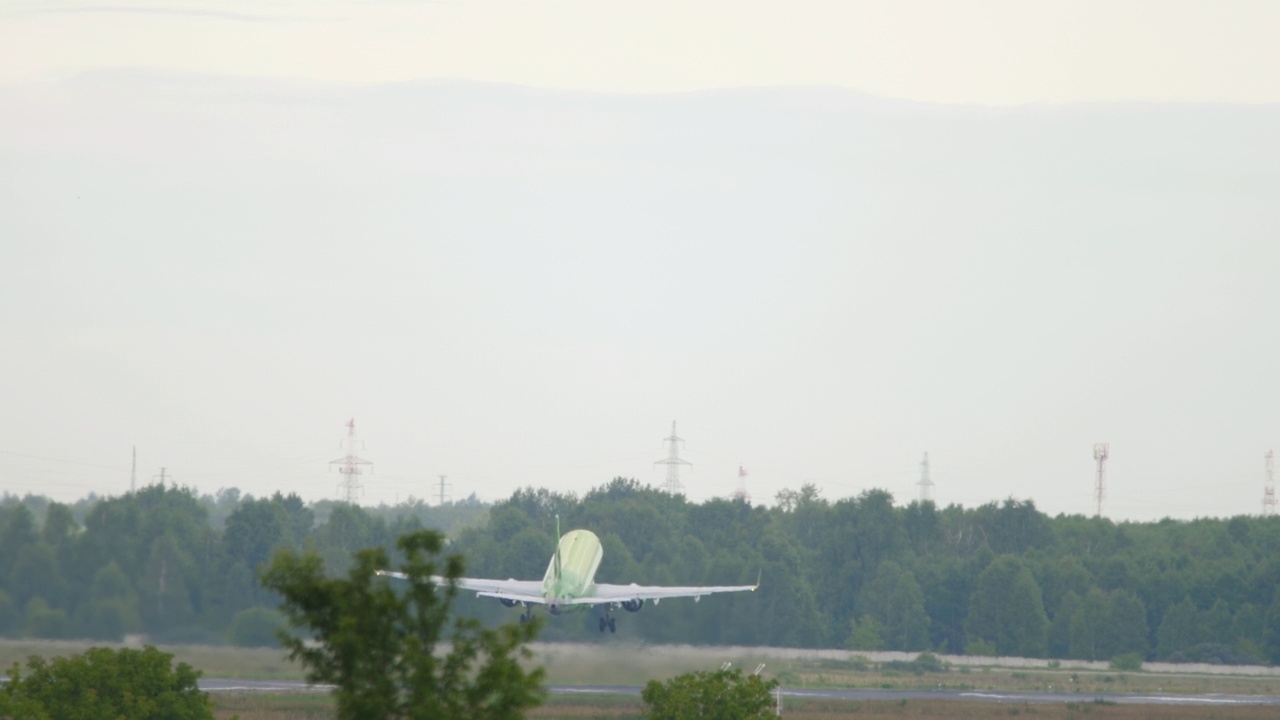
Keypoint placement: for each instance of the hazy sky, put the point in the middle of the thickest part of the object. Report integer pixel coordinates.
(983, 51)
(229, 227)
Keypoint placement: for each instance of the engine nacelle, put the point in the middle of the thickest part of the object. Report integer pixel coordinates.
(509, 602)
(633, 605)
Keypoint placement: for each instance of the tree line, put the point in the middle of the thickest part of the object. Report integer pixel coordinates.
(858, 572)
(175, 566)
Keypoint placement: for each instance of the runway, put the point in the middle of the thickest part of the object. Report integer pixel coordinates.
(225, 685)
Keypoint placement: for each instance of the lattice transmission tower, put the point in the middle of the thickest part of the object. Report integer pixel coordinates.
(350, 466)
(673, 461)
(926, 485)
(1101, 451)
(741, 492)
(1269, 492)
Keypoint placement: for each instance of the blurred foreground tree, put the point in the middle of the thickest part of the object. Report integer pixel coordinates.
(702, 695)
(377, 644)
(120, 684)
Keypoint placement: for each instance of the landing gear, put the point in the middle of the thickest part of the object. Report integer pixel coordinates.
(527, 615)
(608, 622)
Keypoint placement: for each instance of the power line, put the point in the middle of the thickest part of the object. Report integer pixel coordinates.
(60, 460)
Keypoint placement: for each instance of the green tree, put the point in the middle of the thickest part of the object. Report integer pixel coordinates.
(1216, 622)
(1015, 526)
(10, 617)
(253, 530)
(1027, 627)
(1271, 630)
(864, 635)
(1060, 627)
(35, 574)
(255, 627)
(1006, 609)
(1248, 627)
(894, 599)
(45, 622)
(120, 684)
(378, 646)
(111, 609)
(1087, 639)
(1179, 629)
(1125, 629)
(17, 531)
(59, 525)
(347, 529)
(924, 531)
(704, 695)
(947, 586)
(1061, 576)
(782, 613)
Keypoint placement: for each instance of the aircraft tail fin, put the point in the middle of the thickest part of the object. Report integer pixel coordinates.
(557, 547)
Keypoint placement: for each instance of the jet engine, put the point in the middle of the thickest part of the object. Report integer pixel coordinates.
(508, 602)
(633, 605)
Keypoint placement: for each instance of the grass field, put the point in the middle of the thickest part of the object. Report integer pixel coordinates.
(319, 707)
(633, 665)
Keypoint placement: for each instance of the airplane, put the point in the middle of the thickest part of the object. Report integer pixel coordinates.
(569, 584)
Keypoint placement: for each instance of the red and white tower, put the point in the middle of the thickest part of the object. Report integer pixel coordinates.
(351, 466)
(1101, 451)
(741, 493)
(1269, 492)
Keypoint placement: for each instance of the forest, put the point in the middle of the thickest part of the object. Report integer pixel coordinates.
(861, 572)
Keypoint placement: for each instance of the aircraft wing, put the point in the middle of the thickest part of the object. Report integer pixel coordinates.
(621, 593)
(522, 590)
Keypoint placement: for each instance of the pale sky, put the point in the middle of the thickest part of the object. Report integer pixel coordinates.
(229, 227)
(983, 51)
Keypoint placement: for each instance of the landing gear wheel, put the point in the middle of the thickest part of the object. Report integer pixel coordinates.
(613, 625)
(524, 618)
(602, 624)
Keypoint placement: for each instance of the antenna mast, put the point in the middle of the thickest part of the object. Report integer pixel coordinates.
(350, 466)
(1101, 451)
(673, 461)
(1269, 492)
(926, 485)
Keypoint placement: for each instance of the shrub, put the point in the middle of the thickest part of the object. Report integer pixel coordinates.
(719, 695)
(255, 627)
(980, 647)
(1127, 661)
(1214, 654)
(121, 684)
